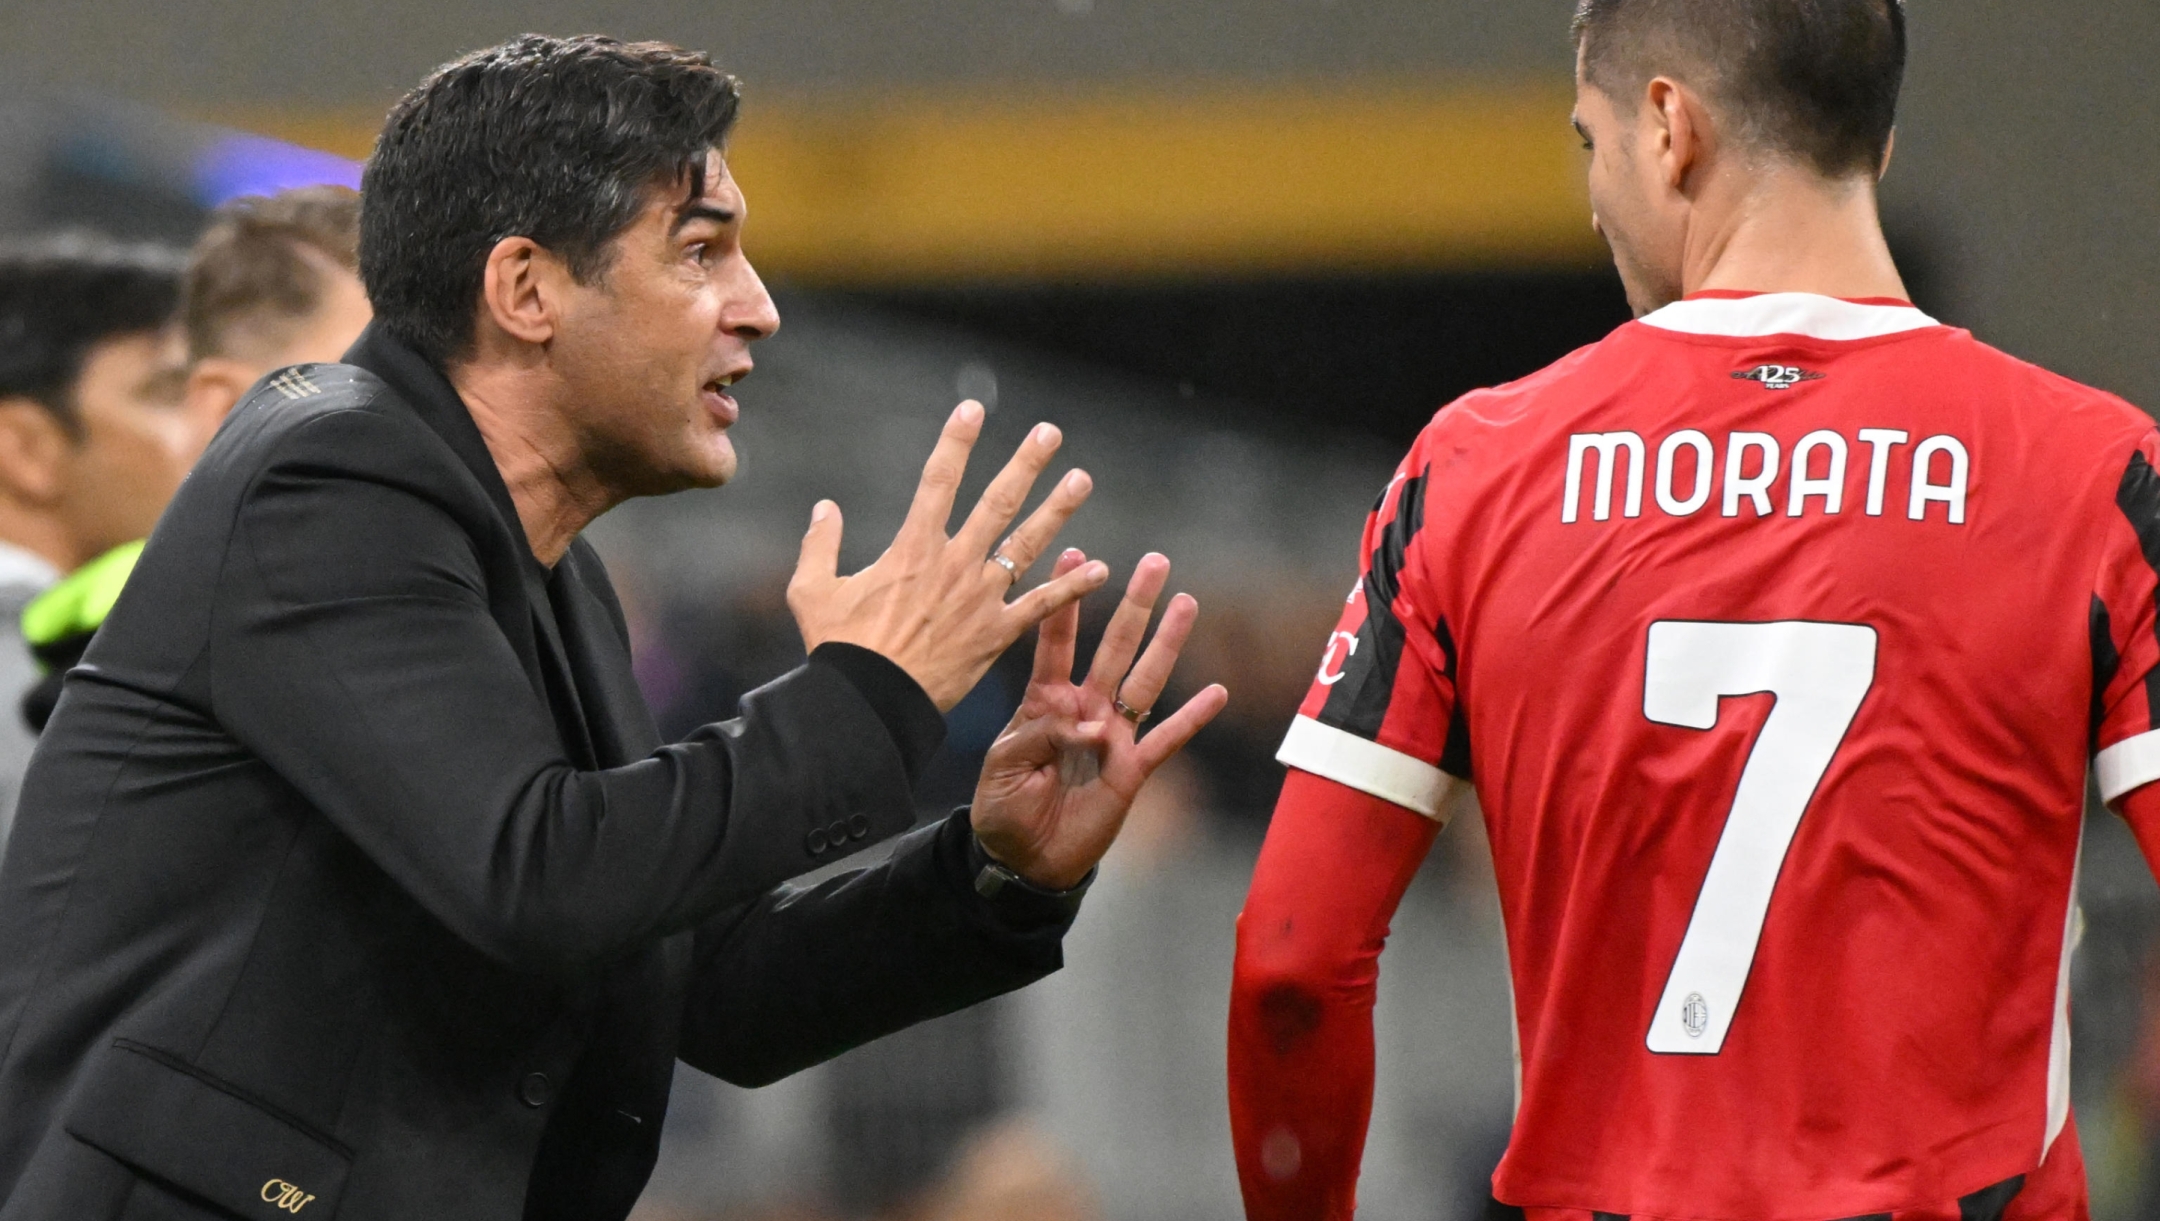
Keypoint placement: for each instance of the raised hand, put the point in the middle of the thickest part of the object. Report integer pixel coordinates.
(935, 605)
(1057, 783)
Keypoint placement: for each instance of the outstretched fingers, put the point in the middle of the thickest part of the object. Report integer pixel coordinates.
(1041, 528)
(1170, 737)
(941, 476)
(1055, 642)
(1151, 673)
(1121, 640)
(1008, 492)
(1053, 596)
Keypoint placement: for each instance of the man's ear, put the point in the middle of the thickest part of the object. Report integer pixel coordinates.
(34, 452)
(1889, 151)
(214, 385)
(1680, 128)
(519, 292)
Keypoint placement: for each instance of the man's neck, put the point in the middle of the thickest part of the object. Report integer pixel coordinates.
(556, 493)
(1793, 232)
(36, 532)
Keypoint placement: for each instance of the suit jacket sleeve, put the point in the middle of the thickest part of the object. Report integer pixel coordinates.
(356, 654)
(806, 973)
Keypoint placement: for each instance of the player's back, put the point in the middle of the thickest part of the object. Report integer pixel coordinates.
(1770, 630)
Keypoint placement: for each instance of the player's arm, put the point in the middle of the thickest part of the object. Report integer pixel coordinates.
(1333, 869)
(1375, 753)
(2125, 628)
(2141, 809)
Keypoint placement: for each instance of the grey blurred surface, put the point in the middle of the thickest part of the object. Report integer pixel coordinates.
(224, 51)
(1119, 1059)
(846, 401)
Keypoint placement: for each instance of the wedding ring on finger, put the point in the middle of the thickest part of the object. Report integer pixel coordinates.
(1012, 570)
(1138, 716)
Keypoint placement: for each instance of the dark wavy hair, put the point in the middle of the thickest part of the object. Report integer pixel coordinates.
(62, 295)
(1816, 81)
(562, 140)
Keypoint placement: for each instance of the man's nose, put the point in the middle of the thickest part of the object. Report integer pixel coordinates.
(751, 313)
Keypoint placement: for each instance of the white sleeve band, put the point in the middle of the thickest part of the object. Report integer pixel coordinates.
(1368, 767)
(2129, 764)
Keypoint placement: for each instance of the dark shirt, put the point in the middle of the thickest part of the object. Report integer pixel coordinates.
(351, 866)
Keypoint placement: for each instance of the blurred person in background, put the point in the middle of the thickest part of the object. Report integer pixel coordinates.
(1785, 794)
(93, 436)
(274, 281)
(1008, 1171)
(352, 874)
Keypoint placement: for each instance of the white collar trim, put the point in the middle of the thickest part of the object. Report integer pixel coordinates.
(1816, 317)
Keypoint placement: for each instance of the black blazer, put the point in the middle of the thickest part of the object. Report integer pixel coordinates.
(352, 878)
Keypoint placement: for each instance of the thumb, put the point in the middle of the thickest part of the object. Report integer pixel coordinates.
(820, 560)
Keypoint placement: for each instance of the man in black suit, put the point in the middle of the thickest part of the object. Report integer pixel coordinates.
(352, 877)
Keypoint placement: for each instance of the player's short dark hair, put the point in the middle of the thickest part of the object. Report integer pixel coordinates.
(1816, 81)
(62, 295)
(561, 140)
(256, 274)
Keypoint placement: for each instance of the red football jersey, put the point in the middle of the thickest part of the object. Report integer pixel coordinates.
(1776, 633)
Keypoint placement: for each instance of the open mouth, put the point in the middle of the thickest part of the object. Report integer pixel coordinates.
(719, 402)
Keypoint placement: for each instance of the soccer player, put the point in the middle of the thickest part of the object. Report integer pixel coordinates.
(1775, 634)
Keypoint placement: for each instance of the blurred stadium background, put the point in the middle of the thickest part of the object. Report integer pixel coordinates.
(1240, 251)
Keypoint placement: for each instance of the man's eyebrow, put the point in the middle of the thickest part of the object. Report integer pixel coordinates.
(702, 211)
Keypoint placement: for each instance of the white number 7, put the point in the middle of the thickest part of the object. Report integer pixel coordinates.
(1819, 672)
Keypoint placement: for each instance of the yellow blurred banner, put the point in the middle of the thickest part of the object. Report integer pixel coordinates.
(926, 188)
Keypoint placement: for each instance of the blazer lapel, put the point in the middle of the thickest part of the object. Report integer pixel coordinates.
(599, 649)
(536, 633)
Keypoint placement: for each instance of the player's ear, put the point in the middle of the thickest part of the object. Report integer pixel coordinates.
(1678, 127)
(1889, 150)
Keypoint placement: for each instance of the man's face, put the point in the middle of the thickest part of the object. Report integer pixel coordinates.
(649, 348)
(1631, 204)
(135, 442)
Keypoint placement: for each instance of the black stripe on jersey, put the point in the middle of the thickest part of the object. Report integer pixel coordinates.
(1455, 756)
(2105, 661)
(1987, 1205)
(1359, 702)
(1991, 1204)
(2138, 496)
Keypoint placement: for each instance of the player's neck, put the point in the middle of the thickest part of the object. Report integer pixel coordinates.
(1793, 232)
